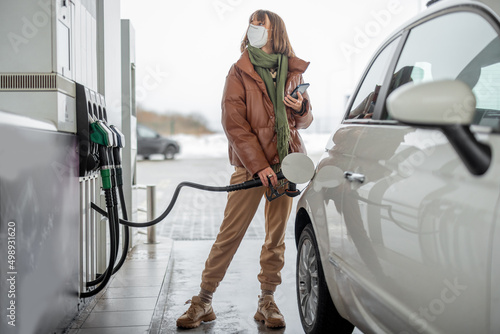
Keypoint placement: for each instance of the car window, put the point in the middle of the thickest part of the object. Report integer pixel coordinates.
(487, 96)
(145, 132)
(458, 46)
(365, 100)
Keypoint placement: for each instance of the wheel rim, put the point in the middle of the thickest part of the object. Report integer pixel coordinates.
(308, 282)
(169, 153)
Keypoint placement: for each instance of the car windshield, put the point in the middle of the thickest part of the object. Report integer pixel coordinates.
(145, 132)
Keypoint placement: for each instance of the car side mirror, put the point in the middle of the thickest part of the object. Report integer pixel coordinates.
(438, 103)
(449, 105)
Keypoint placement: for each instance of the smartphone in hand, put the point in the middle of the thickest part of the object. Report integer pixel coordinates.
(300, 88)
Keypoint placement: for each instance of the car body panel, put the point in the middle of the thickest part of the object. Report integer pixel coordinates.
(381, 239)
(422, 227)
(325, 216)
(495, 275)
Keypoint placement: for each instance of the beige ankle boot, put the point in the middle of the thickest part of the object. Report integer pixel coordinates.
(198, 311)
(269, 313)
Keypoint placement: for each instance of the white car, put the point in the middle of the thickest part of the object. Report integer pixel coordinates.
(399, 229)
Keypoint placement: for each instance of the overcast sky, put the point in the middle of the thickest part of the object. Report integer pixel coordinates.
(184, 49)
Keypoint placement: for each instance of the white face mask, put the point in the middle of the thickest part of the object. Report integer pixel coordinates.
(257, 36)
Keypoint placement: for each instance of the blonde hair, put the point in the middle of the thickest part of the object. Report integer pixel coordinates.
(279, 36)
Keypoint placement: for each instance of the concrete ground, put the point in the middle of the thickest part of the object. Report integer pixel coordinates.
(150, 292)
(193, 225)
(235, 301)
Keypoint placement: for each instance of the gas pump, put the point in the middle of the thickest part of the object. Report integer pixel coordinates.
(102, 136)
(100, 150)
(110, 141)
(58, 60)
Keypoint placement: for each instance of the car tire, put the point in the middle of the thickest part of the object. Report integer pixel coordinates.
(317, 311)
(169, 152)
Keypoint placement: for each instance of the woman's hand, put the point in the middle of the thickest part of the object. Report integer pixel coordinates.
(265, 173)
(295, 104)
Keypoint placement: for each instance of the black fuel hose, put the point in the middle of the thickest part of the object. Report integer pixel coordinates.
(115, 211)
(126, 241)
(233, 187)
(119, 183)
(112, 224)
(126, 237)
(108, 159)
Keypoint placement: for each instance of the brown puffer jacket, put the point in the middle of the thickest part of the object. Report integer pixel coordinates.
(248, 115)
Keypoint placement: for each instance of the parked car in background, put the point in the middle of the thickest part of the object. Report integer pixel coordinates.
(149, 142)
(399, 229)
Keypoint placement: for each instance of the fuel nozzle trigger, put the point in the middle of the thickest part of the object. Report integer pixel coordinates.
(120, 136)
(103, 137)
(281, 189)
(100, 135)
(292, 190)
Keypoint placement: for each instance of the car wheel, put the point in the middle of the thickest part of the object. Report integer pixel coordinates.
(169, 152)
(317, 311)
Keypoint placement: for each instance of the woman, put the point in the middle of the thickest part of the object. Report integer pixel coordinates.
(261, 120)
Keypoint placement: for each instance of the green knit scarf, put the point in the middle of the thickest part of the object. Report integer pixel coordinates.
(262, 62)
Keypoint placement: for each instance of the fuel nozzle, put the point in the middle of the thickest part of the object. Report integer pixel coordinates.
(292, 190)
(103, 137)
(119, 135)
(284, 187)
(297, 168)
(117, 153)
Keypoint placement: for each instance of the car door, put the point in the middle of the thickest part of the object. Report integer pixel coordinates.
(325, 194)
(418, 222)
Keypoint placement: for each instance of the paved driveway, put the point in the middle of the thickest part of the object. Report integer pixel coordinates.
(193, 224)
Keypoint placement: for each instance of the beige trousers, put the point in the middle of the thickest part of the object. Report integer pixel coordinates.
(240, 210)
